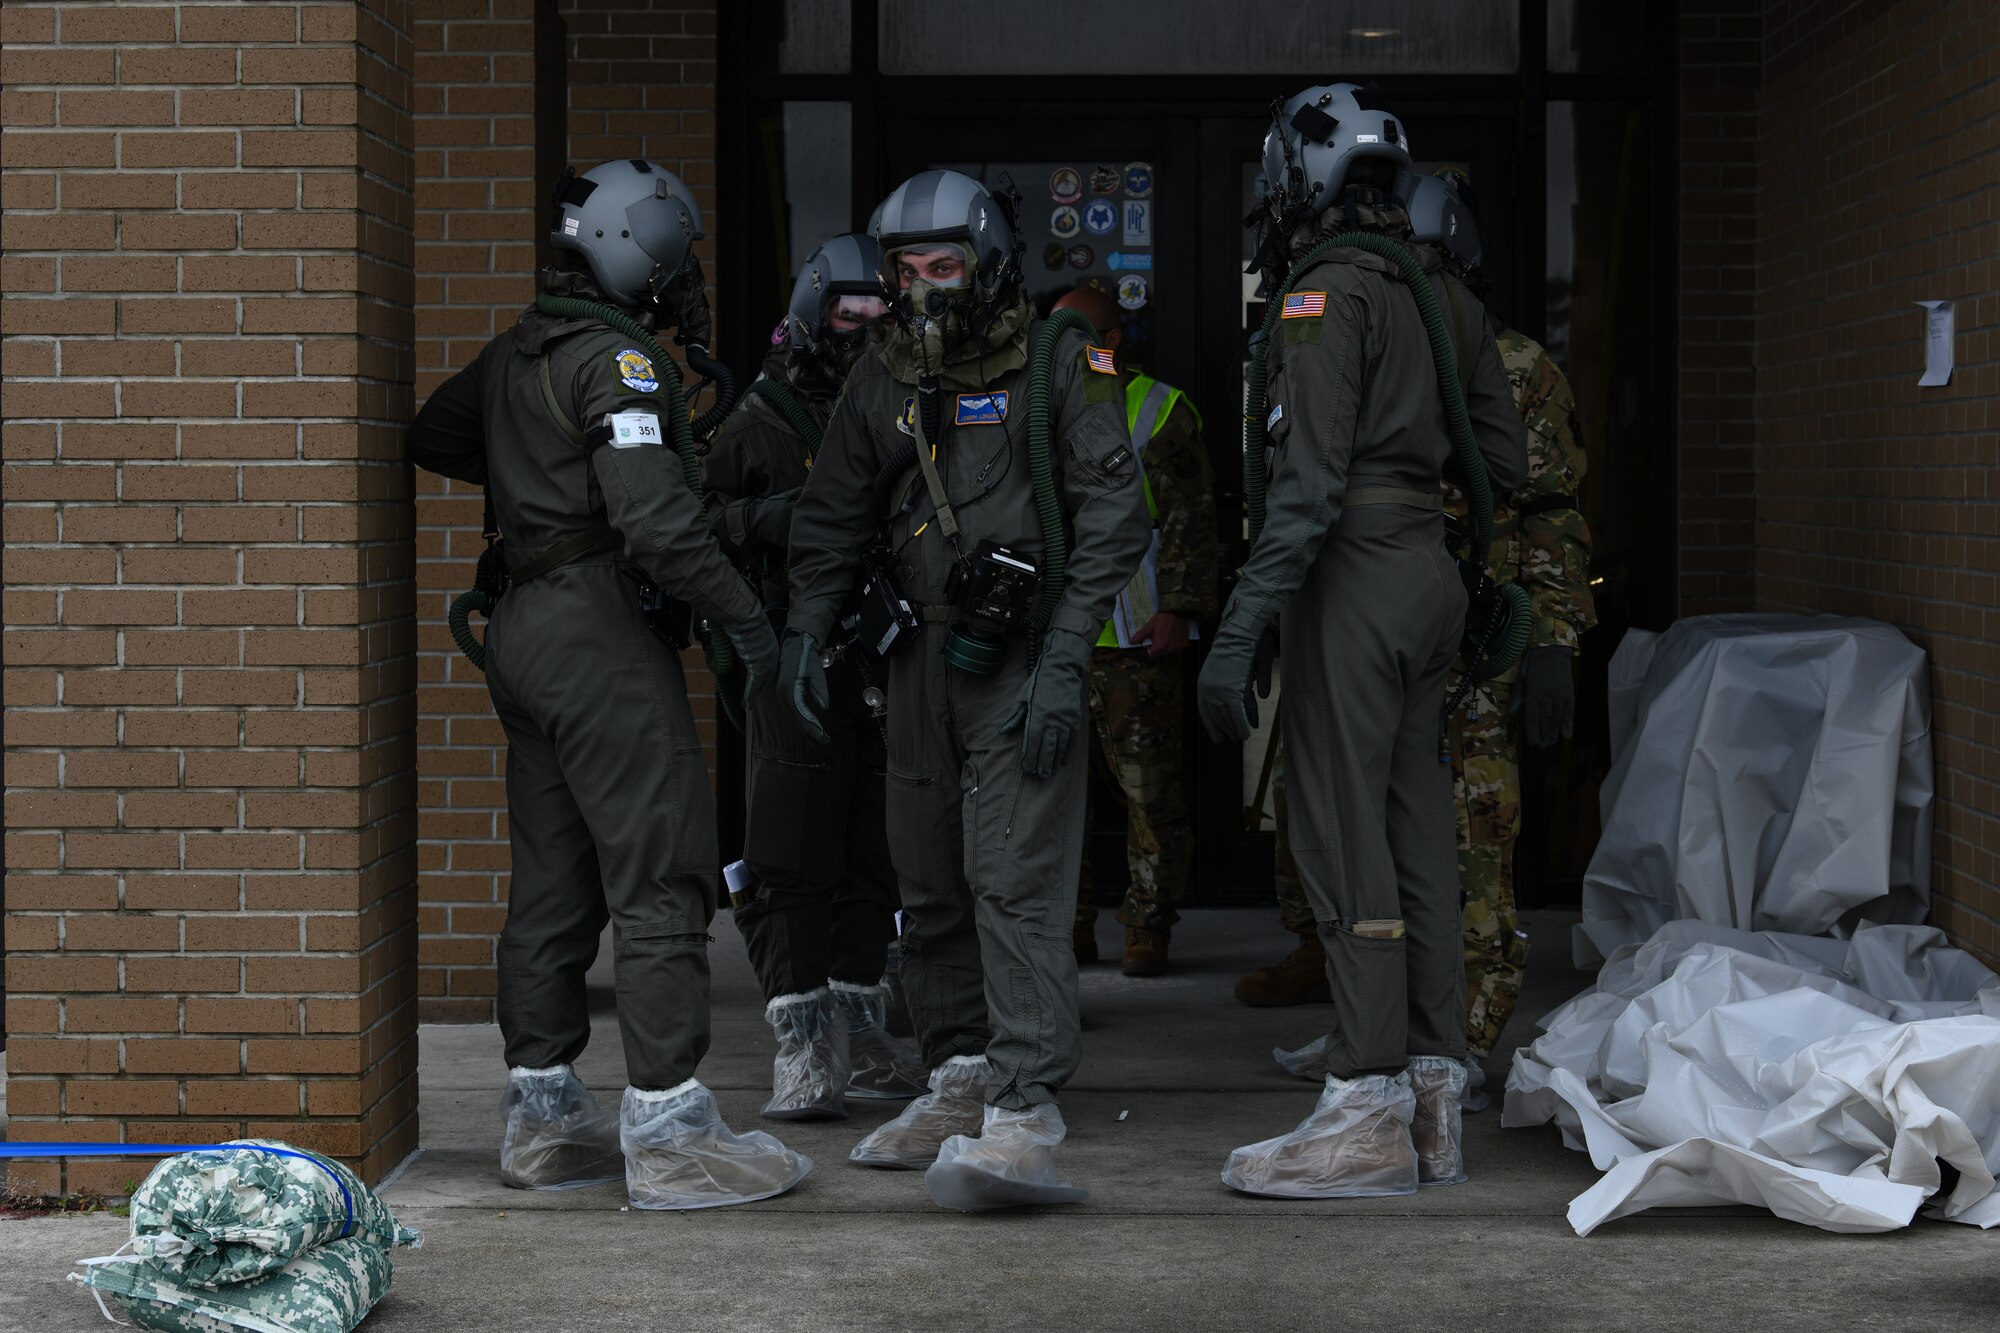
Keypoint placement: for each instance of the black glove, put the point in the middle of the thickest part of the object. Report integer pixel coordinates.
(1050, 708)
(760, 522)
(1547, 696)
(803, 681)
(771, 520)
(757, 648)
(1237, 672)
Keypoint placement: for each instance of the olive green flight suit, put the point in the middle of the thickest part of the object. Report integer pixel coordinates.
(824, 903)
(987, 856)
(610, 815)
(1353, 553)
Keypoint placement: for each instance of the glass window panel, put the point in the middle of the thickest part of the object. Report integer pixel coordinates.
(819, 189)
(1596, 37)
(1342, 37)
(816, 38)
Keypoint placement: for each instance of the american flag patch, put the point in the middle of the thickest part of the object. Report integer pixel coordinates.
(1101, 361)
(1304, 305)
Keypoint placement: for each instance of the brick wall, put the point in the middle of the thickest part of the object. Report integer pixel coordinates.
(1878, 185)
(209, 675)
(477, 214)
(641, 84)
(1721, 54)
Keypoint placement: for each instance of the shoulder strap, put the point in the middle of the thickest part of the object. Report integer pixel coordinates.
(556, 409)
(946, 519)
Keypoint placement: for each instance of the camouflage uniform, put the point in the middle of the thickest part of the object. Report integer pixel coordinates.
(1135, 700)
(1548, 554)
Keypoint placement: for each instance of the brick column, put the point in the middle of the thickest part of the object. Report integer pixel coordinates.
(477, 210)
(209, 675)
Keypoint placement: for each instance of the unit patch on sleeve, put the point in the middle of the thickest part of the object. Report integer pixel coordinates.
(906, 421)
(1101, 361)
(981, 409)
(635, 370)
(1304, 305)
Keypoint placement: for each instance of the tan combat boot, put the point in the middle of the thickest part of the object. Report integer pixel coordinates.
(1297, 978)
(1145, 951)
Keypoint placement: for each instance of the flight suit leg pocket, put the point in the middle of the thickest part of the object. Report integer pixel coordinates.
(923, 844)
(793, 822)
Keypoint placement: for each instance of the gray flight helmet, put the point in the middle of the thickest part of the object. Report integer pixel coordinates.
(635, 224)
(1316, 138)
(940, 205)
(847, 265)
(1439, 217)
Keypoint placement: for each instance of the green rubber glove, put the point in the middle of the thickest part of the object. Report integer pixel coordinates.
(803, 680)
(1237, 671)
(1052, 704)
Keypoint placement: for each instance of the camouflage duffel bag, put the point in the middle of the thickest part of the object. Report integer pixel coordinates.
(327, 1290)
(216, 1216)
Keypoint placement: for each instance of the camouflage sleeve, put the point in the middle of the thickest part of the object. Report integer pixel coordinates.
(1555, 545)
(1183, 488)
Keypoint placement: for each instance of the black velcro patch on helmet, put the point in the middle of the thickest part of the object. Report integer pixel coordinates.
(1314, 124)
(576, 190)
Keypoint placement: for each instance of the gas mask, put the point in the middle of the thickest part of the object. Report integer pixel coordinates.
(934, 319)
(868, 315)
(945, 329)
(682, 300)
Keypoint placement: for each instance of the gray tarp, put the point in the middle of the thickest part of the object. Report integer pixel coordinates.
(1769, 773)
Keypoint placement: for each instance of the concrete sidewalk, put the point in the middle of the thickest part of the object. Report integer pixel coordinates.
(1161, 1243)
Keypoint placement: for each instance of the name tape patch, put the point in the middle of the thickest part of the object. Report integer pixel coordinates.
(981, 409)
(631, 430)
(1101, 361)
(1304, 305)
(635, 370)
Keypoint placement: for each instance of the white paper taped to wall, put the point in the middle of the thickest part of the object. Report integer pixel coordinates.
(1938, 332)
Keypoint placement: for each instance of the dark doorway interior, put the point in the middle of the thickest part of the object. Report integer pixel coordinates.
(1568, 152)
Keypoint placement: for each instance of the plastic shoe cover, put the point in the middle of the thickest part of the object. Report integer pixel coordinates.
(556, 1136)
(809, 1075)
(956, 1104)
(1436, 1129)
(1475, 1098)
(1307, 1062)
(1012, 1164)
(1355, 1145)
(882, 1068)
(679, 1154)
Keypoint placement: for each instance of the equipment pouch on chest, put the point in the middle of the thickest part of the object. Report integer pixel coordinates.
(883, 621)
(994, 591)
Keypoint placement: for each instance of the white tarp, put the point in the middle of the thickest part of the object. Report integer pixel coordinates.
(1768, 773)
(1823, 1079)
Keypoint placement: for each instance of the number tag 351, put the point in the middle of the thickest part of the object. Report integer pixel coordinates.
(632, 430)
